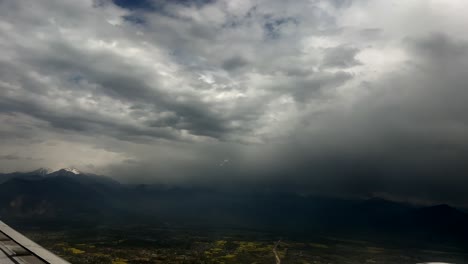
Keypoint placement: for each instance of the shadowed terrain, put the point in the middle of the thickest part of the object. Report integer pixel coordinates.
(191, 222)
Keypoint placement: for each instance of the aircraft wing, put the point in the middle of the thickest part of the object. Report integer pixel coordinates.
(18, 249)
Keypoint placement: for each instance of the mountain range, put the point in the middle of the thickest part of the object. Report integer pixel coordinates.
(70, 196)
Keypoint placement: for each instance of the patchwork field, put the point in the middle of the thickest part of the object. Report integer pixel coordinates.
(150, 245)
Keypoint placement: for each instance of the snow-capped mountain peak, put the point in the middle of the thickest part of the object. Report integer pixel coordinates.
(72, 170)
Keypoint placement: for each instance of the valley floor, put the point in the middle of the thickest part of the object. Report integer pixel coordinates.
(153, 245)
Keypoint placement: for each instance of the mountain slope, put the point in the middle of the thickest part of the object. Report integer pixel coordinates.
(53, 197)
(85, 178)
(36, 174)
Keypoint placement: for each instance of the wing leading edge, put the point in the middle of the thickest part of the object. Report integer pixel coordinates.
(18, 249)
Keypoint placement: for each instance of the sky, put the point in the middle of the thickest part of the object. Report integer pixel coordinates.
(338, 97)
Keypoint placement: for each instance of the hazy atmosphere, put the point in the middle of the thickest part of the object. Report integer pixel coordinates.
(341, 98)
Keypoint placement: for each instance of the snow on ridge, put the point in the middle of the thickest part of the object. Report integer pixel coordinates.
(73, 170)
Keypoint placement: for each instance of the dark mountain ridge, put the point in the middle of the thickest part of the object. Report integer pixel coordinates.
(69, 195)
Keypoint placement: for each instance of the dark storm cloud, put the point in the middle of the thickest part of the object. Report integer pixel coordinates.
(136, 4)
(407, 137)
(157, 5)
(129, 85)
(334, 97)
(404, 147)
(234, 63)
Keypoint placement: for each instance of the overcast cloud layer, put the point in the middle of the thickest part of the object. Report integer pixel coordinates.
(334, 97)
